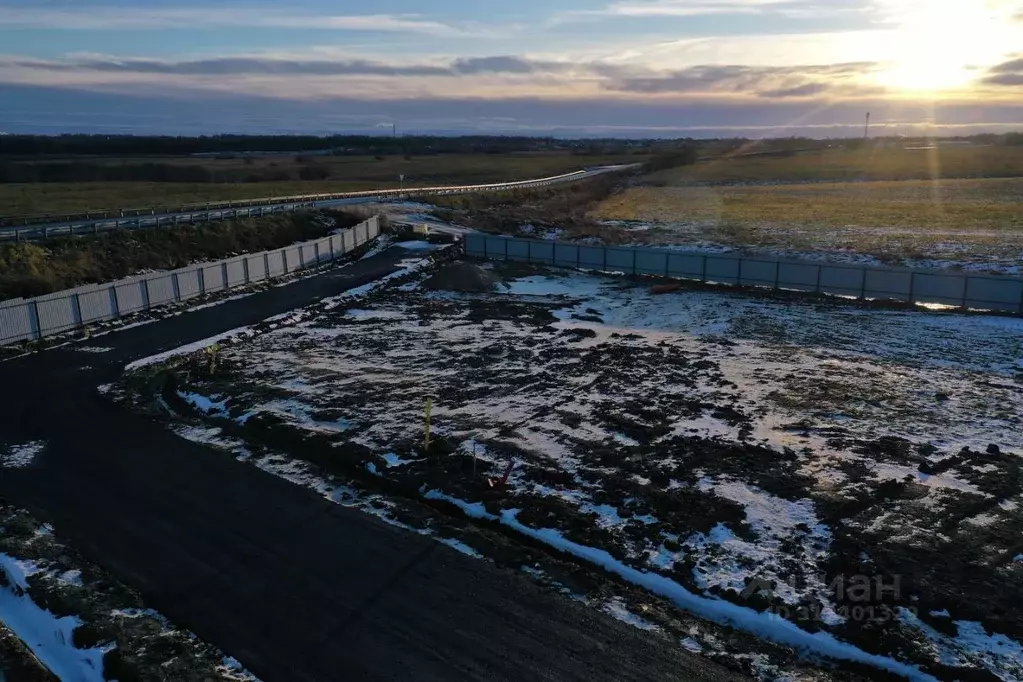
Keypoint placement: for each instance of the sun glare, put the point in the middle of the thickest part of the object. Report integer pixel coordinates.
(939, 44)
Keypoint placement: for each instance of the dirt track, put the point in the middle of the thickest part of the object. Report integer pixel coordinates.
(295, 587)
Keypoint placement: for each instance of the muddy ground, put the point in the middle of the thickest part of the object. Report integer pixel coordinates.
(854, 472)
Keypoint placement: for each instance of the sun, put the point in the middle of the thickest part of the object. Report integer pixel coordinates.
(939, 45)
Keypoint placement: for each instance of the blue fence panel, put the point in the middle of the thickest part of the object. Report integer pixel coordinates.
(686, 265)
(759, 273)
(888, 284)
(591, 257)
(936, 288)
(621, 260)
(566, 254)
(649, 262)
(495, 247)
(722, 269)
(994, 293)
(842, 281)
(518, 250)
(798, 276)
(475, 245)
(541, 252)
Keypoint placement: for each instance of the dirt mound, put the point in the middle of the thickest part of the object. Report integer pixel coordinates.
(462, 276)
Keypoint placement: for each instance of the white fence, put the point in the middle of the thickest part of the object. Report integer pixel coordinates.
(959, 289)
(31, 319)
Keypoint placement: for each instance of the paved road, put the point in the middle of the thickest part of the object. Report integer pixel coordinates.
(295, 587)
(134, 220)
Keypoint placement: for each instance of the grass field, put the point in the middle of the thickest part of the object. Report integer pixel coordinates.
(794, 205)
(346, 173)
(989, 205)
(872, 163)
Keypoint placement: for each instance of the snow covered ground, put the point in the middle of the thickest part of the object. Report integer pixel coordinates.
(765, 458)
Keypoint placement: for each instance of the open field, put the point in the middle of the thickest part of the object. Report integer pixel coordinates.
(740, 459)
(943, 207)
(964, 221)
(340, 173)
(868, 163)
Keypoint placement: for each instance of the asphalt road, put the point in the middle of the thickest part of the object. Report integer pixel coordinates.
(295, 587)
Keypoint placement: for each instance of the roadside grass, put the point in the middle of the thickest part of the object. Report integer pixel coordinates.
(32, 269)
(869, 163)
(343, 173)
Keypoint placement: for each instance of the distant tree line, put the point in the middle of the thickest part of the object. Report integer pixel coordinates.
(130, 145)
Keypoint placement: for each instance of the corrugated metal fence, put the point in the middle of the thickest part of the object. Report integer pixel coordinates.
(31, 319)
(959, 289)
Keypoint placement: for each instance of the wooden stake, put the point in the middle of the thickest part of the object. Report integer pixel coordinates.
(426, 438)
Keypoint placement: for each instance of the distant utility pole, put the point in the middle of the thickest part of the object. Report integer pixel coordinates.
(394, 130)
(866, 128)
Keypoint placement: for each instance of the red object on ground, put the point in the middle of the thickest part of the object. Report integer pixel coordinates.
(664, 288)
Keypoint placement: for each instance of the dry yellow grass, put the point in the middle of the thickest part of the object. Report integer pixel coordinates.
(871, 163)
(960, 204)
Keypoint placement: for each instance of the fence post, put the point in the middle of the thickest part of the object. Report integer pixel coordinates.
(145, 286)
(17, 234)
(777, 274)
(912, 279)
(266, 265)
(39, 324)
(245, 268)
(633, 261)
(202, 281)
(818, 290)
(966, 289)
(703, 273)
(863, 284)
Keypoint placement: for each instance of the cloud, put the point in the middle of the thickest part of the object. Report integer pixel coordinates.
(224, 66)
(131, 18)
(764, 81)
(795, 9)
(805, 90)
(157, 109)
(1006, 74)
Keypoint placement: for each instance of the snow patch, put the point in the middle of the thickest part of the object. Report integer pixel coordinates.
(49, 637)
(21, 456)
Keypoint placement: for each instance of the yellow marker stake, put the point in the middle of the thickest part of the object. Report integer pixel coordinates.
(426, 440)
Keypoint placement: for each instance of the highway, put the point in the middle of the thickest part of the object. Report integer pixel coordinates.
(10, 229)
(294, 586)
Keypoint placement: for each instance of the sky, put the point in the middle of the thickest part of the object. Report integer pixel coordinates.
(571, 68)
